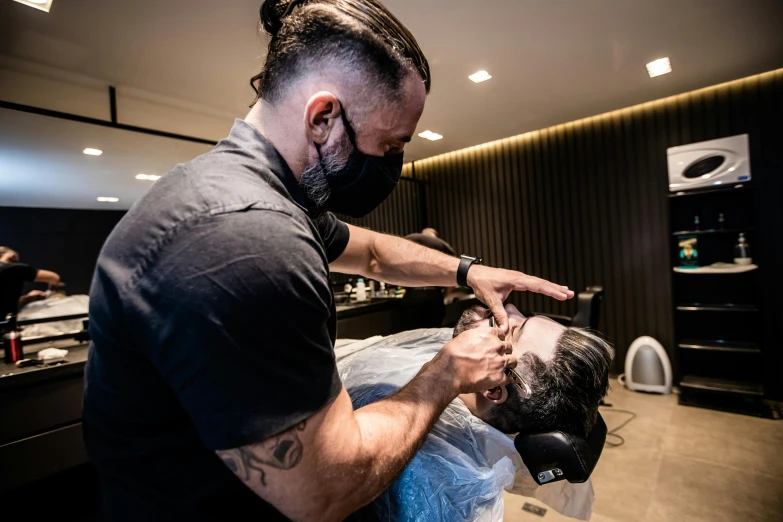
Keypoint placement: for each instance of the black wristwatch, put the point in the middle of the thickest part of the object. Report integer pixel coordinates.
(465, 262)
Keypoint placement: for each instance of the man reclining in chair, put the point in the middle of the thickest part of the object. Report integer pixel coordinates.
(566, 368)
(460, 471)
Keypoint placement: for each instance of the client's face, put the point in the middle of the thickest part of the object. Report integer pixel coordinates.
(566, 370)
(537, 334)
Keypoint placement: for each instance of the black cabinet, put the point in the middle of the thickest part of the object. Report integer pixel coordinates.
(717, 316)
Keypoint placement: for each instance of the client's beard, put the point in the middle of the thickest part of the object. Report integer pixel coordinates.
(314, 181)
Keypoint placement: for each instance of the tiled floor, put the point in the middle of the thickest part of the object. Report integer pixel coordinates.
(681, 464)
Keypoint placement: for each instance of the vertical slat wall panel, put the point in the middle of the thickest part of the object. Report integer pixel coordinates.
(399, 215)
(586, 202)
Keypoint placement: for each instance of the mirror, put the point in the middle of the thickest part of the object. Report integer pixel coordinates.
(42, 163)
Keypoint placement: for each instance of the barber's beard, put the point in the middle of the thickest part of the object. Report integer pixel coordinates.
(314, 181)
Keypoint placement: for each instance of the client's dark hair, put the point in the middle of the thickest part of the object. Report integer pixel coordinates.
(358, 35)
(566, 390)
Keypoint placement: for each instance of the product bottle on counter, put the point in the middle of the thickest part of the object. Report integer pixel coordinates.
(742, 251)
(696, 223)
(382, 292)
(361, 290)
(348, 288)
(721, 221)
(12, 342)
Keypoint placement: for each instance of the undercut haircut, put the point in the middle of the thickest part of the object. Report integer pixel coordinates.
(566, 390)
(359, 37)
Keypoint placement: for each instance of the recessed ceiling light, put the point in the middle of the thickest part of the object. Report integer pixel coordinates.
(147, 177)
(43, 5)
(92, 152)
(480, 76)
(429, 135)
(108, 199)
(659, 67)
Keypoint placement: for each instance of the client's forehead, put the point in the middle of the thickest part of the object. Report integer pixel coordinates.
(537, 334)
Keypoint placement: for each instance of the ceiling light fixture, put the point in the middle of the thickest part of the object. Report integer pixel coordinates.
(108, 199)
(659, 67)
(429, 135)
(92, 152)
(43, 5)
(147, 177)
(480, 76)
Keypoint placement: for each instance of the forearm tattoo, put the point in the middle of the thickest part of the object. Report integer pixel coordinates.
(283, 451)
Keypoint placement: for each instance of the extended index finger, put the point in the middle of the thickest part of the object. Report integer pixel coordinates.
(542, 286)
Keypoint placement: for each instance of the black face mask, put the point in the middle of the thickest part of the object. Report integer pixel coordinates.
(365, 182)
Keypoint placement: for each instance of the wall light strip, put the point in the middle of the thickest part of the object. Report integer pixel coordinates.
(92, 152)
(753, 81)
(147, 177)
(108, 199)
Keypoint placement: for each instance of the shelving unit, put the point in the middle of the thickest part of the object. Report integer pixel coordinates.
(699, 232)
(725, 307)
(718, 346)
(717, 314)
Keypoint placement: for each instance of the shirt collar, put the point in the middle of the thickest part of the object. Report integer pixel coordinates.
(264, 156)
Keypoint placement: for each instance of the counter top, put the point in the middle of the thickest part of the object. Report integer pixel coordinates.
(13, 377)
(345, 311)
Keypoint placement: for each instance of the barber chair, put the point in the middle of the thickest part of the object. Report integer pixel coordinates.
(560, 456)
(588, 309)
(422, 308)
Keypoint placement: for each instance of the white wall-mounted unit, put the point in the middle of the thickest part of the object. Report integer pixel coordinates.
(709, 163)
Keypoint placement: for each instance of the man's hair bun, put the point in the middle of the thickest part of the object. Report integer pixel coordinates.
(359, 35)
(273, 12)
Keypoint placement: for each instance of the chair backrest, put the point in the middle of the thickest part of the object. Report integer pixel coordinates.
(588, 312)
(557, 456)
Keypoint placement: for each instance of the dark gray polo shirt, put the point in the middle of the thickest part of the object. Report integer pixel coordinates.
(212, 324)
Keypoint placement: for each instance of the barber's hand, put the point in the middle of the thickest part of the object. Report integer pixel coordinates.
(493, 285)
(477, 359)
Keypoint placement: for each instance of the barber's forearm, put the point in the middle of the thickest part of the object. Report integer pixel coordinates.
(46, 276)
(390, 432)
(339, 459)
(395, 260)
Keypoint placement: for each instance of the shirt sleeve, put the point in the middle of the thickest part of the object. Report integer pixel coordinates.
(335, 235)
(239, 326)
(25, 272)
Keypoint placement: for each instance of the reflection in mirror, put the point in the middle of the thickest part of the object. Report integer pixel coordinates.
(58, 203)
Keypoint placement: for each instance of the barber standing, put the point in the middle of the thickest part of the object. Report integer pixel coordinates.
(13, 276)
(212, 391)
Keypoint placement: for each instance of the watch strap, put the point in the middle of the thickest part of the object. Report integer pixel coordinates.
(465, 262)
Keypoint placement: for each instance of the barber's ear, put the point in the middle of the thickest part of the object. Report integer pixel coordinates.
(496, 395)
(321, 112)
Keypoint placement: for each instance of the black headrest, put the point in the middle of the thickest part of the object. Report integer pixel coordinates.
(556, 455)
